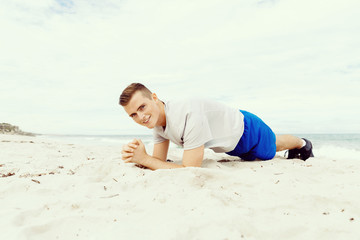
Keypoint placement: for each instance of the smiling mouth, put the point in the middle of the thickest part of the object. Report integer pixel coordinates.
(147, 120)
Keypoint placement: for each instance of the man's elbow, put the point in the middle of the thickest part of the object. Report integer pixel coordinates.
(191, 165)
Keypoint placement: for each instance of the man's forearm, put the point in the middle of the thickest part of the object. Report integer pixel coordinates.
(154, 163)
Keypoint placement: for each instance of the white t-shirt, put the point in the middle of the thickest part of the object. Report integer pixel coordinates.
(191, 123)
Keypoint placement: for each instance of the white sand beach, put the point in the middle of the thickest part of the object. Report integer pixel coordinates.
(57, 190)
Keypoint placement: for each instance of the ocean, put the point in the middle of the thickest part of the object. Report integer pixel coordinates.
(346, 141)
(324, 145)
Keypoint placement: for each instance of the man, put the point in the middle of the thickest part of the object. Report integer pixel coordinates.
(197, 124)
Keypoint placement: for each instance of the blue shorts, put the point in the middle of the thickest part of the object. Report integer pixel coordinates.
(257, 141)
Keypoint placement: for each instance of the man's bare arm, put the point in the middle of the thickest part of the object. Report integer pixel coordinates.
(191, 158)
(161, 150)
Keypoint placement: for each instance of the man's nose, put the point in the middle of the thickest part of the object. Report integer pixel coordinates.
(141, 116)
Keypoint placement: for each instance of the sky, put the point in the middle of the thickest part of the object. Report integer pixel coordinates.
(64, 63)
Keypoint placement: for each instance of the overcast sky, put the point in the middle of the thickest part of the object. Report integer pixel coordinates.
(64, 63)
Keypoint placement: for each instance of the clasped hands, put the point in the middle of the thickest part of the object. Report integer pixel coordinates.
(134, 152)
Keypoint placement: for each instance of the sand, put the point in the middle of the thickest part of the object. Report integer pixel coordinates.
(58, 190)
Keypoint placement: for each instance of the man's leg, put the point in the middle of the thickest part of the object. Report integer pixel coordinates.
(287, 142)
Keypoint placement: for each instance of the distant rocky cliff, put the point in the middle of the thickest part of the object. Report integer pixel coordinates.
(6, 128)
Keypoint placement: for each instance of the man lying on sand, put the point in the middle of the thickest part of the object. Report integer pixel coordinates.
(196, 124)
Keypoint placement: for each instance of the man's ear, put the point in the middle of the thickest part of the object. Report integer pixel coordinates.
(154, 96)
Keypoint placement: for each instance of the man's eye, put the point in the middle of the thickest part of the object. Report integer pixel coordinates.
(132, 115)
(142, 107)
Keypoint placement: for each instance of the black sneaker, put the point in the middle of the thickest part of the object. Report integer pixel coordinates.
(293, 153)
(303, 153)
(306, 151)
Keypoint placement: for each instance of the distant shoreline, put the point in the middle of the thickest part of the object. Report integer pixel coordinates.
(8, 129)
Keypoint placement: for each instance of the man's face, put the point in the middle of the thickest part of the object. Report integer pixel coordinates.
(143, 110)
